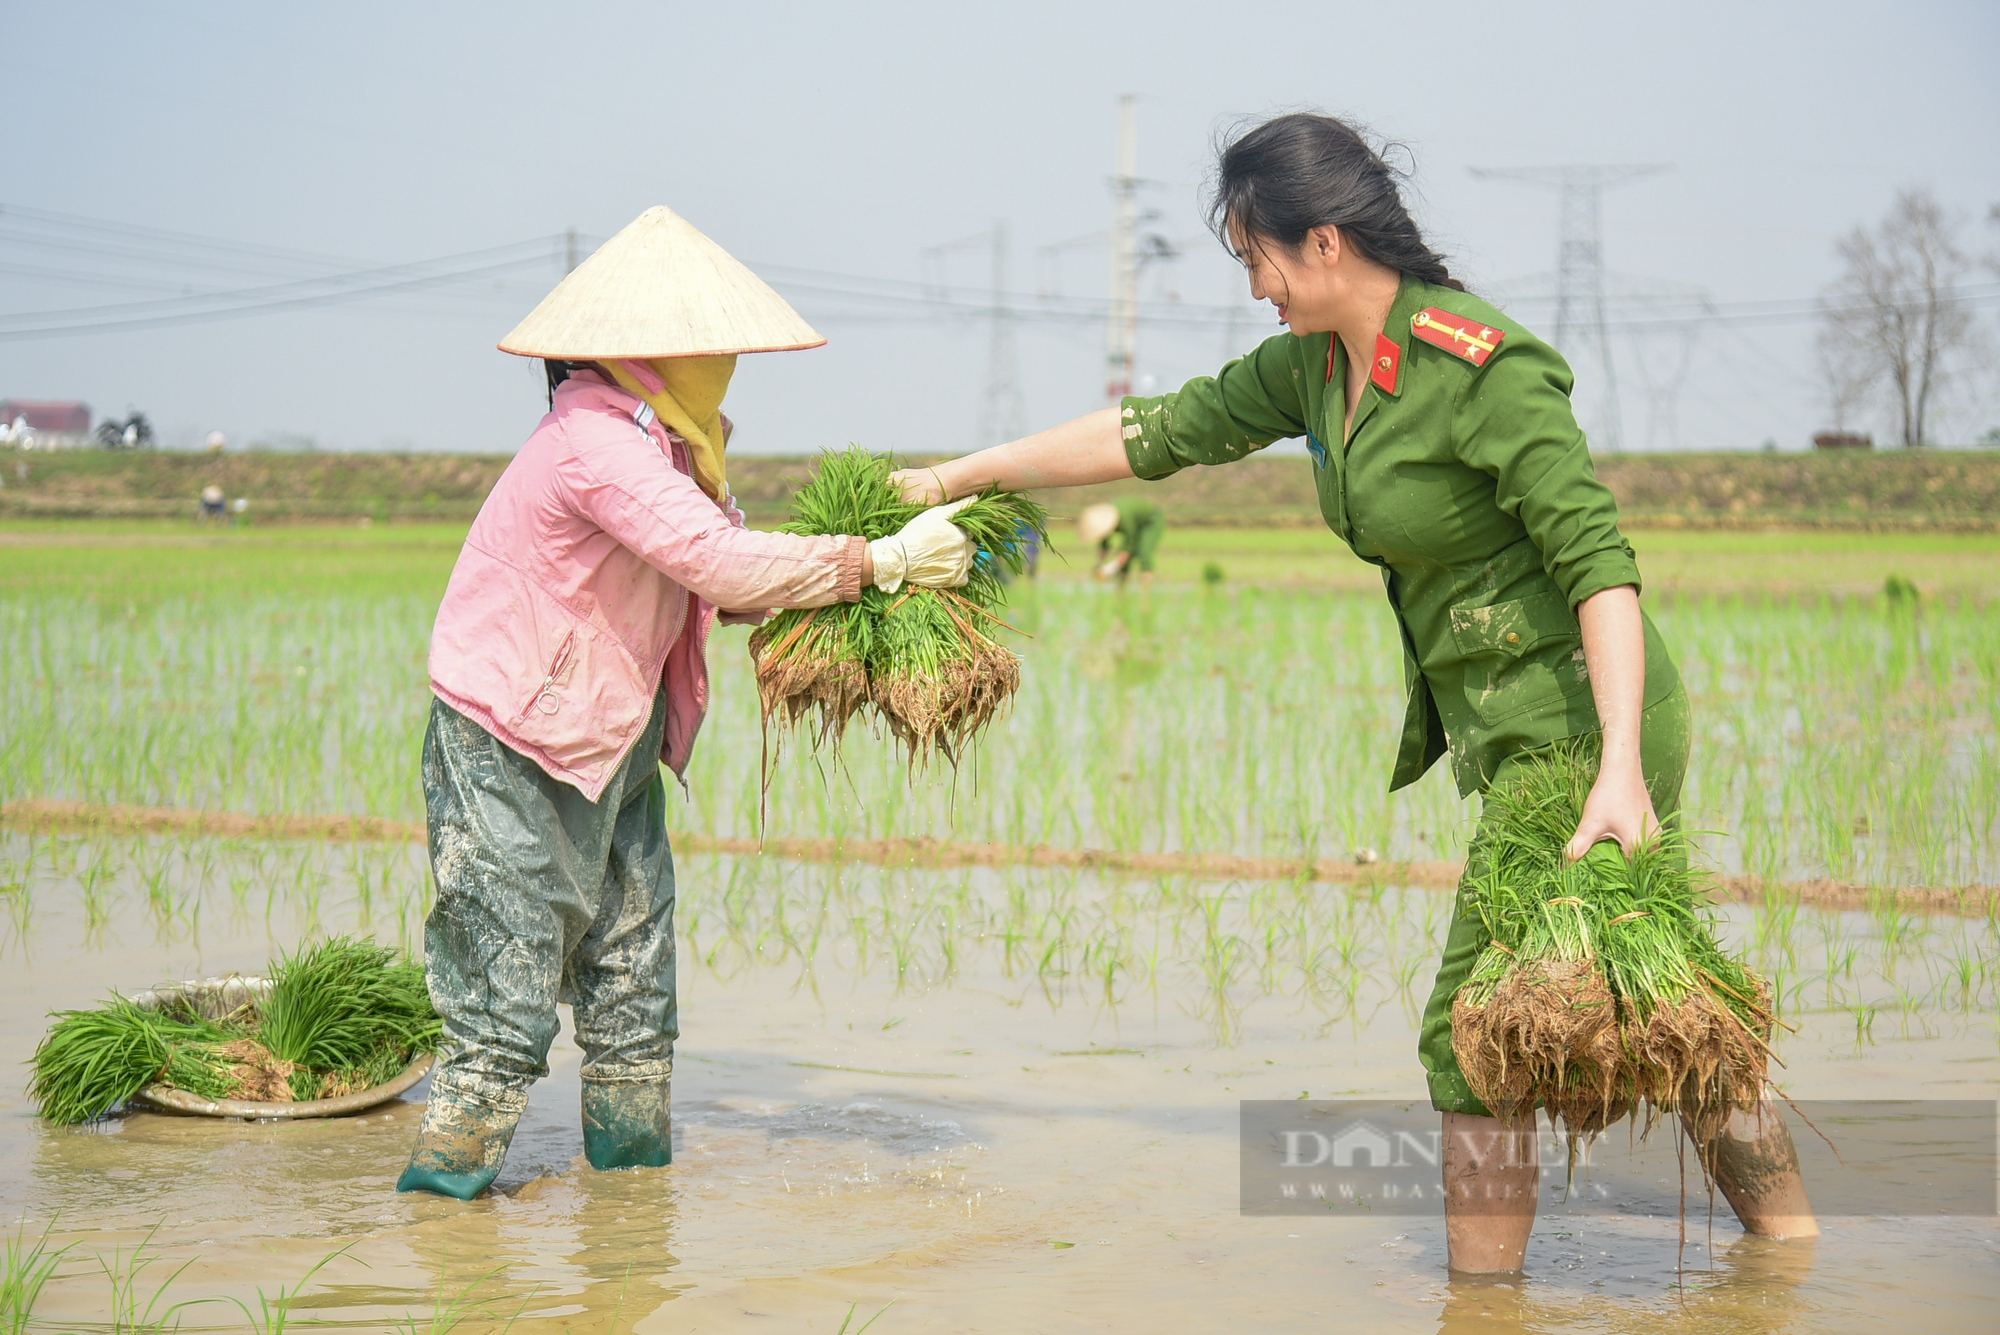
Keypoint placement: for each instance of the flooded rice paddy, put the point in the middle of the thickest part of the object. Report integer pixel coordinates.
(984, 1099)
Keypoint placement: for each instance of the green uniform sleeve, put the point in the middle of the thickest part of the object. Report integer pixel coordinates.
(1515, 421)
(1219, 419)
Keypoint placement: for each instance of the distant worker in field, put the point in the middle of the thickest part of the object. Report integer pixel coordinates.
(1126, 533)
(1446, 452)
(1029, 543)
(214, 506)
(568, 662)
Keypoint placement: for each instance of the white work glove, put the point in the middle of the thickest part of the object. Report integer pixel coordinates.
(930, 551)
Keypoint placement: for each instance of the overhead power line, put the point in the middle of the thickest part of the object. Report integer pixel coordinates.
(830, 296)
(377, 283)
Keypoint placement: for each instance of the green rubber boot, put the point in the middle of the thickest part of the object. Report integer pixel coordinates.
(628, 1124)
(462, 1143)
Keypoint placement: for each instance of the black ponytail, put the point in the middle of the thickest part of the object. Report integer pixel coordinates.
(1296, 172)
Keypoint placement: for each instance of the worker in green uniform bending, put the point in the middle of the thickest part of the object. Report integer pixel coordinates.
(1446, 453)
(1126, 533)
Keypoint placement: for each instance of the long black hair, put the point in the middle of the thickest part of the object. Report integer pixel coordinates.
(558, 372)
(1279, 180)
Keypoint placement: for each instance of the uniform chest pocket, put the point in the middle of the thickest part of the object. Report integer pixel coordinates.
(1519, 654)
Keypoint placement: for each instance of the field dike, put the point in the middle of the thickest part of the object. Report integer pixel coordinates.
(94, 818)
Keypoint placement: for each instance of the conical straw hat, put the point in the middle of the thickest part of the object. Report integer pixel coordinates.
(659, 289)
(1096, 523)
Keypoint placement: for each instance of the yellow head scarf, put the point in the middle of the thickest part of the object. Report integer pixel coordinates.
(687, 394)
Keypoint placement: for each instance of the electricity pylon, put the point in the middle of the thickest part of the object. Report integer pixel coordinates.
(1004, 415)
(1580, 332)
(1002, 411)
(1122, 334)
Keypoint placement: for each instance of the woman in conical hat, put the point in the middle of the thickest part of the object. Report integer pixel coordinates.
(567, 664)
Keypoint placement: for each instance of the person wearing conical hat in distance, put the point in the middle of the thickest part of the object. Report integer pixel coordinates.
(568, 664)
(1446, 452)
(1126, 533)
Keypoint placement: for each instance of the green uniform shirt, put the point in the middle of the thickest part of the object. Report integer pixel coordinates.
(1469, 485)
(1141, 525)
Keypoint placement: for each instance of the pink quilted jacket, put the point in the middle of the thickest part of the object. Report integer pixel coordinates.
(594, 572)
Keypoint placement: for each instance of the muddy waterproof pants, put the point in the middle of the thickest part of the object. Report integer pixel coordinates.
(1664, 735)
(544, 896)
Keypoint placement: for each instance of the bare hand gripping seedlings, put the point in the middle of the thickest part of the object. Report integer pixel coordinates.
(343, 1016)
(1603, 989)
(925, 659)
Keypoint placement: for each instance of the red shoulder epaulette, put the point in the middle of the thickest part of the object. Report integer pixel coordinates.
(1457, 335)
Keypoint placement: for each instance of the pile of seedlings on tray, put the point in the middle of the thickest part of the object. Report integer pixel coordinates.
(341, 1017)
(925, 660)
(1603, 992)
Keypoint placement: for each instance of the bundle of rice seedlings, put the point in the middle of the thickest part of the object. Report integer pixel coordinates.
(1603, 991)
(925, 660)
(92, 1061)
(343, 1010)
(343, 1016)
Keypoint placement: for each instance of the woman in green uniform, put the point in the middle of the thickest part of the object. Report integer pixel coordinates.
(1446, 452)
(1126, 533)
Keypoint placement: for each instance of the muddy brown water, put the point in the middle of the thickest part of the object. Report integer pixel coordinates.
(946, 1128)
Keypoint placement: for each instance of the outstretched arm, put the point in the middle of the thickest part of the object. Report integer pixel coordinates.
(1075, 454)
(1614, 649)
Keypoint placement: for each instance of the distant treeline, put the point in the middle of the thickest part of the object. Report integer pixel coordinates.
(1934, 489)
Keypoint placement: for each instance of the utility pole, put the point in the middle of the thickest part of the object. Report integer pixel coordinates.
(569, 251)
(1581, 332)
(1122, 335)
(1003, 417)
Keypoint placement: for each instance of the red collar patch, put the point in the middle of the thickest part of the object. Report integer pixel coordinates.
(1388, 362)
(1457, 335)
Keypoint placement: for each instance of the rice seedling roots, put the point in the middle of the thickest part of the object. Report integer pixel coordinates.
(257, 1075)
(1554, 1035)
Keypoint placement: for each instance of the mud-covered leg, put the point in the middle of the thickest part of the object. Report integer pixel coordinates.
(504, 868)
(1755, 1163)
(1492, 1183)
(621, 980)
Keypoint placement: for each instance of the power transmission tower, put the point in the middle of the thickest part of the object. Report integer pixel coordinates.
(1122, 335)
(1580, 327)
(1004, 415)
(1002, 411)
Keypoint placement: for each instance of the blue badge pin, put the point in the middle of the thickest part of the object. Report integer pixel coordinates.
(1317, 450)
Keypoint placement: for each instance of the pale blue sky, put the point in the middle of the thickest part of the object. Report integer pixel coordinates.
(849, 138)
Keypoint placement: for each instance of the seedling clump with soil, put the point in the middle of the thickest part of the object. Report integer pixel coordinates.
(925, 660)
(1604, 991)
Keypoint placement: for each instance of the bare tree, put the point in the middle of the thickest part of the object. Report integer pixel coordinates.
(1894, 321)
